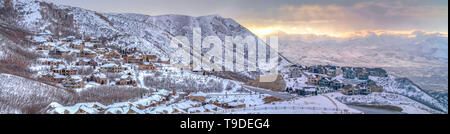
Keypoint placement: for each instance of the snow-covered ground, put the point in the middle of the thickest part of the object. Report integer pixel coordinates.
(406, 88)
(302, 105)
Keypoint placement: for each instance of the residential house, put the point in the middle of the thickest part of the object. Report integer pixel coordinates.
(58, 51)
(51, 61)
(127, 80)
(317, 69)
(362, 74)
(101, 50)
(59, 78)
(100, 78)
(322, 90)
(313, 79)
(324, 82)
(77, 44)
(163, 60)
(132, 59)
(149, 57)
(146, 66)
(112, 54)
(374, 87)
(127, 51)
(65, 70)
(336, 85)
(86, 52)
(46, 46)
(349, 74)
(53, 77)
(363, 89)
(74, 82)
(348, 90)
(307, 91)
(331, 71)
(90, 45)
(85, 62)
(295, 73)
(93, 40)
(68, 39)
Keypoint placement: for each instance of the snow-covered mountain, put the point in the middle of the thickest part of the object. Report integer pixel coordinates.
(147, 33)
(417, 49)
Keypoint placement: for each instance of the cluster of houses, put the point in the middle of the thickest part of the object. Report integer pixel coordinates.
(324, 79)
(89, 54)
(363, 88)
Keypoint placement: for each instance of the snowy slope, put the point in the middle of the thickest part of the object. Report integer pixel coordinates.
(147, 33)
(320, 104)
(20, 95)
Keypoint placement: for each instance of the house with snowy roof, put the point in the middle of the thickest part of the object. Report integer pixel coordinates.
(132, 59)
(112, 54)
(149, 57)
(65, 70)
(85, 62)
(86, 52)
(101, 50)
(349, 73)
(307, 91)
(68, 39)
(59, 51)
(146, 66)
(93, 40)
(74, 81)
(112, 68)
(362, 74)
(50, 61)
(164, 60)
(349, 90)
(46, 46)
(363, 89)
(99, 78)
(53, 77)
(77, 44)
(313, 79)
(127, 80)
(336, 85)
(90, 45)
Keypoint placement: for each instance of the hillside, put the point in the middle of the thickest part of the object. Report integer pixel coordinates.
(21, 95)
(96, 62)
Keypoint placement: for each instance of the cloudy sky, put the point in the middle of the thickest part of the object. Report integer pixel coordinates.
(331, 17)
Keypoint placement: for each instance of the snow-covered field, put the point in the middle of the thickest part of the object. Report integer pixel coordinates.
(409, 106)
(407, 88)
(320, 104)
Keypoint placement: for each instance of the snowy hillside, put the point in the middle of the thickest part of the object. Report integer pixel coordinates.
(406, 88)
(408, 106)
(20, 95)
(150, 34)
